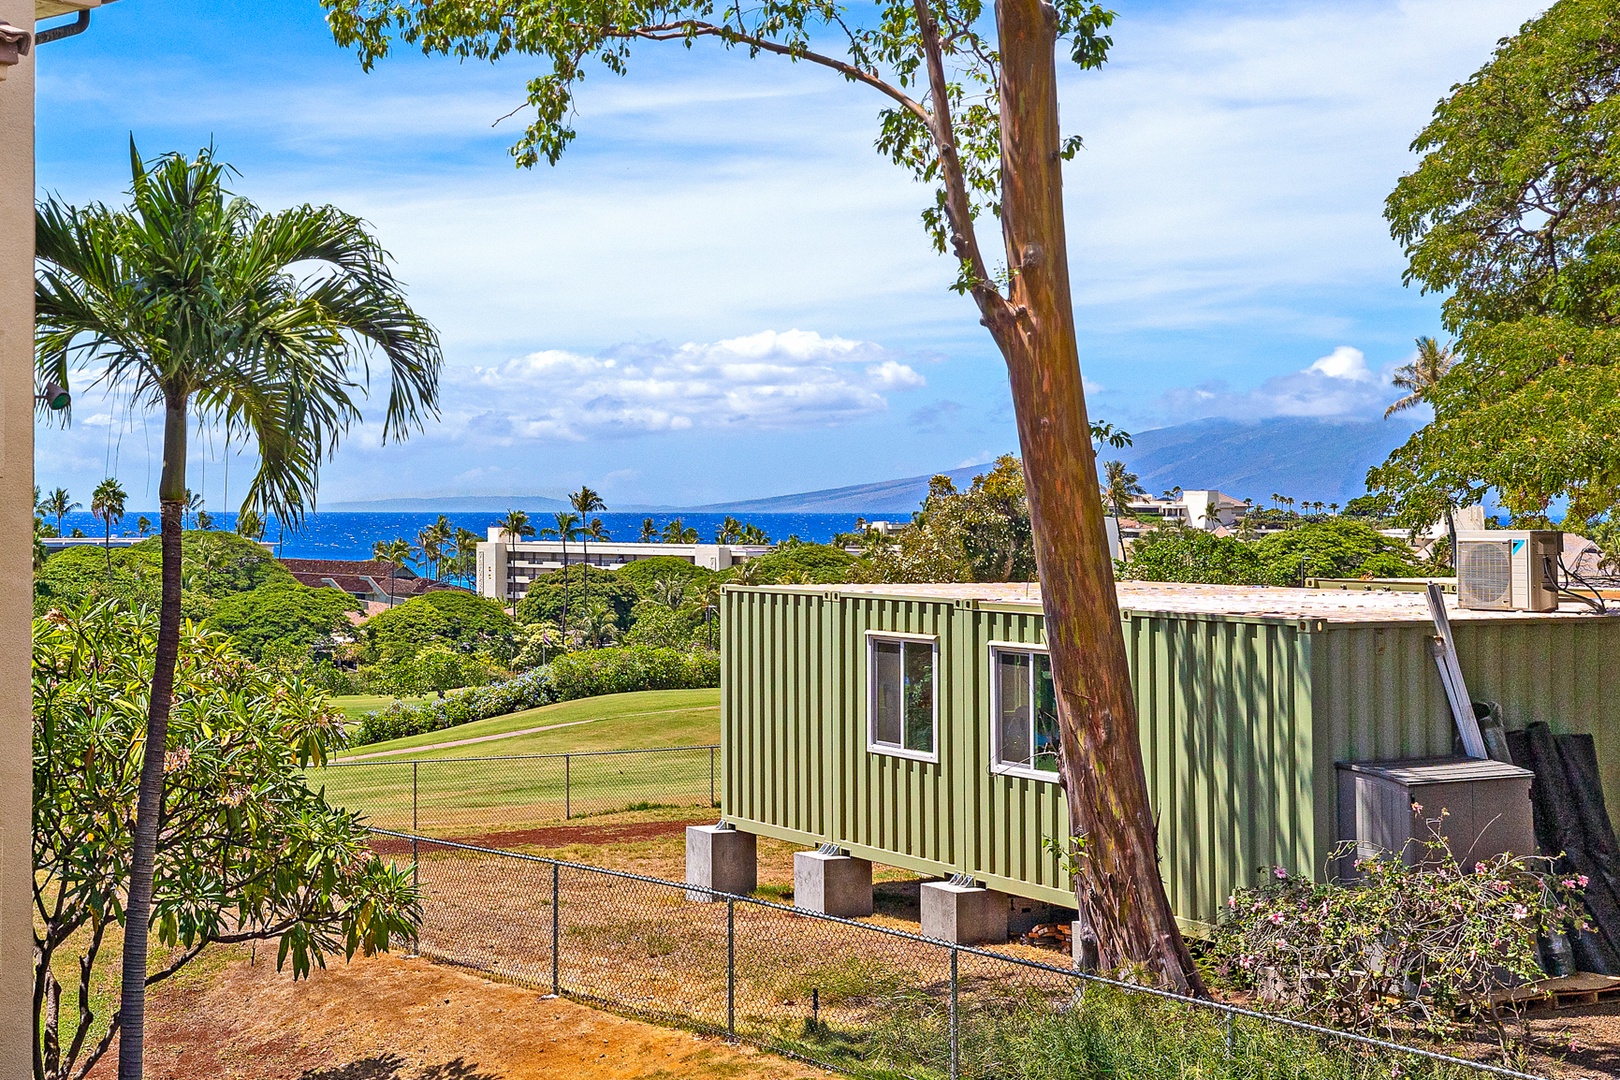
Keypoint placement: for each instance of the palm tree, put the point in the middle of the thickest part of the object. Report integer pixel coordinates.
(58, 504)
(143, 525)
(753, 535)
(1119, 487)
(585, 503)
(195, 301)
(676, 532)
(649, 531)
(670, 592)
(597, 626)
(430, 543)
(515, 526)
(567, 529)
(107, 503)
(395, 553)
(250, 524)
(466, 557)
(730, 531)
(194, 506)
(1418, 378)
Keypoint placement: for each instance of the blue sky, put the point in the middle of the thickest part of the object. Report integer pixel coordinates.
(724, 292)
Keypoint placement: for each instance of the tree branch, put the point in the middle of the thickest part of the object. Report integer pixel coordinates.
(958, 211)
(688, 28)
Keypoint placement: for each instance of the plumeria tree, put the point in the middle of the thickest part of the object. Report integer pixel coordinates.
(248, 851)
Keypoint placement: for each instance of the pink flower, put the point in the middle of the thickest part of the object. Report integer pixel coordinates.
(1479, 868)
(1520, 911)
(1276, 917)
(1282, 875)
(1500, 886)
(1581, 880)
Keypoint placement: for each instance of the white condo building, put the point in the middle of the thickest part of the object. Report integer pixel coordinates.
(506, 570)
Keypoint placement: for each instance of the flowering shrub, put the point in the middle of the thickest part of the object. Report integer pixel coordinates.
(577, 675)
(1415, 943)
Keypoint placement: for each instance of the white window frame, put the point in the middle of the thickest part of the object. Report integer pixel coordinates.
(872, 745)
(997, 766)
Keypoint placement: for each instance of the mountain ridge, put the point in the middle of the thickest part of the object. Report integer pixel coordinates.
(1301, 457)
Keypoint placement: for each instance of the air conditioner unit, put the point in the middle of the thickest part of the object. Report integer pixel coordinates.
(1508, 569)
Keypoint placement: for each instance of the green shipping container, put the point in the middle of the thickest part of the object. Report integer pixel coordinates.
(1246, 698)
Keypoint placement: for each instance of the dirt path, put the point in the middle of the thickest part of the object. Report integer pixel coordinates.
(469, 742)
(392, 1018)
(555, 836)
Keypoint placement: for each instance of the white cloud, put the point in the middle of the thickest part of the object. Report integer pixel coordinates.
(765, 381)
(1338, 385)
(1343, 362)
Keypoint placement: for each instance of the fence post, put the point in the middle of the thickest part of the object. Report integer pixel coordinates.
(711, 776)
(415, 830)
(556, 931)
(731, 967)
(1231, 1034)
(956, 1045)
(568, 800)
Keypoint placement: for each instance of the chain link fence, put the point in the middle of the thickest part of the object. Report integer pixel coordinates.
(856, 997)
(467, 795)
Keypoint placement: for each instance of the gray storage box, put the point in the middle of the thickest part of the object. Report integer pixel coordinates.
(1488, 804)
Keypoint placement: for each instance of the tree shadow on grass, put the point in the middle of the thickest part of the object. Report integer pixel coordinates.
(393, 1067)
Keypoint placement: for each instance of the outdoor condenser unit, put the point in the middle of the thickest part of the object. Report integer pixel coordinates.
(1508, 570)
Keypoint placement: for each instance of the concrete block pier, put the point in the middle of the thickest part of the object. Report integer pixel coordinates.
(720, 857)
(832, 884)
(964, 913)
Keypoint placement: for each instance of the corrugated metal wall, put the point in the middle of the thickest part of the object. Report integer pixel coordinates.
(1225, 713)
(1242, 720)
(1381, 695)
(1224, 707)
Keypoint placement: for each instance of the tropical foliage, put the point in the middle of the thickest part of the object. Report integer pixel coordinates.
(1507, 215)
(466, 623)
(1334, 547)
(250, 852)
(1419, 940)
(560, 591)
(284, 617)
(982, 534)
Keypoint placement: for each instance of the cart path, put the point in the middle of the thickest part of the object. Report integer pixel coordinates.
(478, 739)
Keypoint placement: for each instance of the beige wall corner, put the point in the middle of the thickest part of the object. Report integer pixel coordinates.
(16, 557)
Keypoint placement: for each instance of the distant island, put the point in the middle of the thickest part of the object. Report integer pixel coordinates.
(1303, 457)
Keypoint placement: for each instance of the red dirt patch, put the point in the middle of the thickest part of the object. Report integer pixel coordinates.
(392, 1018)
(554, 836)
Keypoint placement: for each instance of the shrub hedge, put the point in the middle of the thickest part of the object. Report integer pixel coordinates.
(590, 673)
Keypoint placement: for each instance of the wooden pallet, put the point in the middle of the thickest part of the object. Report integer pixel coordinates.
(1567, 992)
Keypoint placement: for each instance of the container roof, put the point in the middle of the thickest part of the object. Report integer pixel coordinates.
(1251, 601)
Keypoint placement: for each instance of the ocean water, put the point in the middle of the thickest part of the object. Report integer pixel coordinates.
(351, 535)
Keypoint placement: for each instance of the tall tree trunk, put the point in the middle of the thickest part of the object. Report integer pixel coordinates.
(149, 807)
(565, 591)
(1118, 889)
(585, 578)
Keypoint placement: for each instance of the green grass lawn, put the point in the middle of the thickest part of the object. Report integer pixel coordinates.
(617, 722)
(489, 786)
(355, 706)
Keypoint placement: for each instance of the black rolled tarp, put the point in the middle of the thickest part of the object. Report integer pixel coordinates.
(1572, 824)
